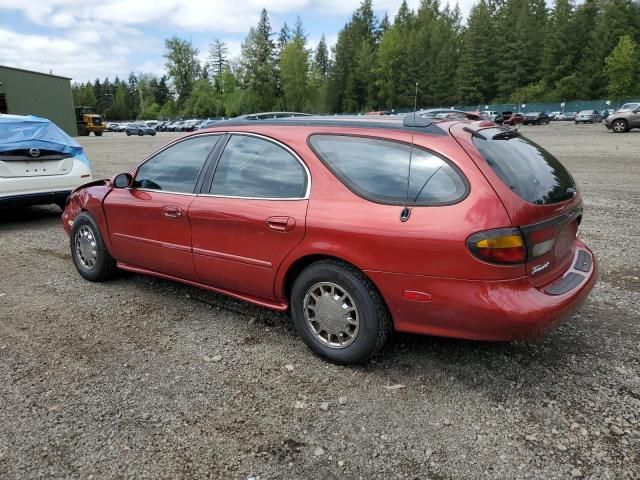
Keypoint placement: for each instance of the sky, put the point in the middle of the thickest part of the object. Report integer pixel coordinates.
(83, 39)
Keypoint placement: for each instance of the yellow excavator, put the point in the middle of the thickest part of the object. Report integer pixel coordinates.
(88, 122)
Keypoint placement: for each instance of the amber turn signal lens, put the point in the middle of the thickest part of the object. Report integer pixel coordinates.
(501, 246)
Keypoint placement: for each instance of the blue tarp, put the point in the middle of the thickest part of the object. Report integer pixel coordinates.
(19, 132)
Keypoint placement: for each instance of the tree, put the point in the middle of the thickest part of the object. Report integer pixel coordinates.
(294, 68)
(218, 53)
(321, 59)
(476, 73)
(182, 66)
(560, 49)
(623, 69)
(259, 64)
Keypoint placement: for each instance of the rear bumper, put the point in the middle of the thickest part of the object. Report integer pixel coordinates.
(43, 198)
(482, 310)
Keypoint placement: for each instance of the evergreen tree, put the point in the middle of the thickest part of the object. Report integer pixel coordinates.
(294, 69)
(476, 73)
(321, 59)
(623, 69)
(218, 53)
(259, 64)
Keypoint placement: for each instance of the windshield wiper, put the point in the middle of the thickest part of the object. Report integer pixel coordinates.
(506, 135)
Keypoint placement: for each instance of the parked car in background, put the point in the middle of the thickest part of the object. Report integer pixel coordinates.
(112, 127)
(381, 112)
(514, 119)
(442, 113)
(121, 127)
(536, 118)
(588, 116)
(139, 129)
(554, 115)
(296, 216)
(207, 124)
(567, 116)
(624, 119)
(174, 127)
(151, 123)
(39, 163)
(271, 115)
(493, 116)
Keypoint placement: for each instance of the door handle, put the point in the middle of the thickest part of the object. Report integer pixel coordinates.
(281, 224)
(172, 212)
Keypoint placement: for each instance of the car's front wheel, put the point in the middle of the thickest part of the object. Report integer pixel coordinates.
(339, 313)
(90, 256)
(619, 126)
(128, 133)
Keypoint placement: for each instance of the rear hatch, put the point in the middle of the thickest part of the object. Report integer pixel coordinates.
(34, 163)
(538, 192)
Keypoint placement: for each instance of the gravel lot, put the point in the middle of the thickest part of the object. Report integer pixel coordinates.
(144, 378)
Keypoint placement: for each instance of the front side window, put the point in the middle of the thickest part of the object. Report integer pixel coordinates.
(176, 168)
(257, 168)
(377, 170)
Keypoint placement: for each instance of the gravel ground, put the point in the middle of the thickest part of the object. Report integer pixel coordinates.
(143, 378)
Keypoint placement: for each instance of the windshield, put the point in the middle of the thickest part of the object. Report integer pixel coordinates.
(529, 170)
(628, 106)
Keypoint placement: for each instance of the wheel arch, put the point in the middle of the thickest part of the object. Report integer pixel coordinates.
(296, 267)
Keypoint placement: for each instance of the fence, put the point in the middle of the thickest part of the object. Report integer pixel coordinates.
(524, 107)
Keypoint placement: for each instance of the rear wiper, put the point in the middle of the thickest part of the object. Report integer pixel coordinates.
(506, 135)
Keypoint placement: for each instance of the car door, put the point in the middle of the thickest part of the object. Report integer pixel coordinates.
(251, 217)
(148, 223)
(634, 118)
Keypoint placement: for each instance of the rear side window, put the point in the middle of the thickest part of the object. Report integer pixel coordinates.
(252, 167)
(377, 170)
(526, 168)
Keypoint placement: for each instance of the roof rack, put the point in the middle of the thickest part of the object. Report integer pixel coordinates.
(423, 125)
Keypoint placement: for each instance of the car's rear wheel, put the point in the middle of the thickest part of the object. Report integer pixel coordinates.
(619, 126)
(140, 134)
(90, 256)
(339, 313)
(128, 133)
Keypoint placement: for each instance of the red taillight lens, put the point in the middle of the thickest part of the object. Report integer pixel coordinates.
(503, 246)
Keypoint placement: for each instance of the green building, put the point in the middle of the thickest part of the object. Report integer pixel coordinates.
(23, 92)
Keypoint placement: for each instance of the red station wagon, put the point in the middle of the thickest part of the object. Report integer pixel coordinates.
(359, 227)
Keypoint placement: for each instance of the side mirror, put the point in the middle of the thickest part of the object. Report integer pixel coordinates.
(123, 180)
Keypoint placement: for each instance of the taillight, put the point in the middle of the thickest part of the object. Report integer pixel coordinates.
(541, 241)
(502, 245)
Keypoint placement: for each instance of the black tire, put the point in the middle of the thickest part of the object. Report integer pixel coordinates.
(98, 134)
(619, 126)
(140, 134)
(104, 267)
(375, 323)
(128, 133)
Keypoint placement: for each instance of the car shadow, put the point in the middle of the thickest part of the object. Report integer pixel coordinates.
(45, 214)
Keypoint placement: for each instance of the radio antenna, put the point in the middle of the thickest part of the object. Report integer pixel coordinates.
(406, 211)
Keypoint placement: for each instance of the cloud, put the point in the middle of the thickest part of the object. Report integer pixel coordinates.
(85, 40)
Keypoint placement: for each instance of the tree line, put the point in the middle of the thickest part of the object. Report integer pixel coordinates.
(508, 51)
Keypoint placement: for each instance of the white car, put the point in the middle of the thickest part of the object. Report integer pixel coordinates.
(39, 163)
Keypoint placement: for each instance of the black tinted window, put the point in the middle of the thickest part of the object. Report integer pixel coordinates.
(377, 170)
(253, 167)
(528, 169)
(176, 169)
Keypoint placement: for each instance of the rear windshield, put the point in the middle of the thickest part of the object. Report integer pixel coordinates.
(377, 170)
(528, 169)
